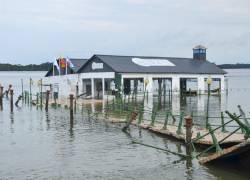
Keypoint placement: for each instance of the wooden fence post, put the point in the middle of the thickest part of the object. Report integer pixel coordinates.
(189, 125)
(1, 97)
(11, 100)
(71, 98)
(18, 99)
(47, 100)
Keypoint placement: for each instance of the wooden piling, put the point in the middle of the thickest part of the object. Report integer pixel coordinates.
(1, 97)
(71, 99)
(30, 94)
(166, 121)
(164, 96)
(11, 100)
(147, 95)
(189, 125)
(41, 93)
(18, 99)
(222, 123)
(37, 99)
(208, 89)
(207, 110)
(179, 129)
(47, 100)
(22, 89)
(75, 104)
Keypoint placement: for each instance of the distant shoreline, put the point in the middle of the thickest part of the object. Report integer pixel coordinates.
(30, 67)
(47, 65)
(234, 66)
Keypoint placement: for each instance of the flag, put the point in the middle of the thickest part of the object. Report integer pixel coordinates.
(70, 63)
(56, 64)
(62, 63)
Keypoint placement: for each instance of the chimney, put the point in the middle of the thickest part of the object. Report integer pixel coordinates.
(199, 53)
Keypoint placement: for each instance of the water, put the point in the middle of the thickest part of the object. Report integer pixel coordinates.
(40, 145)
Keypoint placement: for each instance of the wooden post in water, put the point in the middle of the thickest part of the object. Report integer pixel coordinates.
(22, 90)
(47, 100)
(1, 97)
(222, 123)
(77, 92)
(207, 110)
(37, 99)
(147, 95)
(169, 97)
(179, 129)
(41, 94)
(189, 125)
(159, 92)
(11, 100)
(18, 99)
(164, 96)
(71, 99)
(30, 94)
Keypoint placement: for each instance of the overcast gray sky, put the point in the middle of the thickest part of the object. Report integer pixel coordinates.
(34, 31)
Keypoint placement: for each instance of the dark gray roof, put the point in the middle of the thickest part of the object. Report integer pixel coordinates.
(124, 64)
(78, 63)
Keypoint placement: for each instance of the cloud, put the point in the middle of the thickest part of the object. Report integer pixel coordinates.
(37, 30)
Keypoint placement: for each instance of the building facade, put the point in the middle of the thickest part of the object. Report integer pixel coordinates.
(103, 75)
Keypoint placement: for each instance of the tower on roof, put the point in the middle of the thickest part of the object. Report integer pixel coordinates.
(199, 52)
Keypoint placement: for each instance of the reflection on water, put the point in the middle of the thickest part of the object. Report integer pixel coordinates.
(46, 145)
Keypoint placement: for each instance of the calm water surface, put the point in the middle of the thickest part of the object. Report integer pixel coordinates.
(40, 145)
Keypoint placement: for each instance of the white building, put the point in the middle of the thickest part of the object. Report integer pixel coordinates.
(104, 74)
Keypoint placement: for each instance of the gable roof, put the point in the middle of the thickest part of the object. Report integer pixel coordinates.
(78, 63)
(125, 64)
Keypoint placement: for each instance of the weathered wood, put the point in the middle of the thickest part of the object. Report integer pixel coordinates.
(18, 99)
(243, 115)
(47, 101)
(189, 125)
(1, 97)
(133, 116)
(41, 93)
(22, 89)
(230, 152)
(11, 100)
(71, 98)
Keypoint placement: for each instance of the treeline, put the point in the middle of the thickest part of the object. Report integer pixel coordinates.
(235, 66)
(30, 67)
(47, 65)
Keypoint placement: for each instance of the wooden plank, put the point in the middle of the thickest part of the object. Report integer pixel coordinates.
(171, 132)
(233, 151)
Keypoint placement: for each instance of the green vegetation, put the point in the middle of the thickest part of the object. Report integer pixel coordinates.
(30, 67)
(235, 66)
(47, 65)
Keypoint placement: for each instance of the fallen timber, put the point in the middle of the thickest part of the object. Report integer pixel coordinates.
(236, 143)
(171, 131)
(239, 152)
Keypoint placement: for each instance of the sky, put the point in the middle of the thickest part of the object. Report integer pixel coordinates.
(37, 31)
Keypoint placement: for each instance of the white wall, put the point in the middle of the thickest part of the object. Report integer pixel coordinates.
(176, 80)
(67, 83)
(95, 75)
